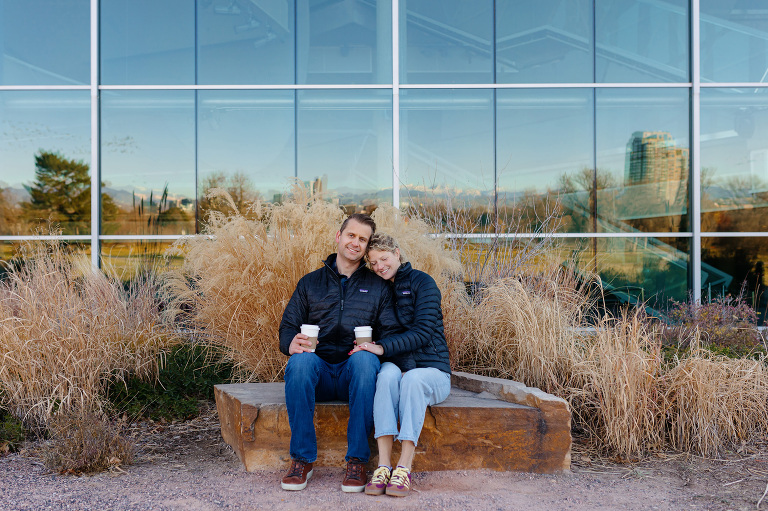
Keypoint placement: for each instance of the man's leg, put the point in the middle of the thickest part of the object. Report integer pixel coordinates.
(302, 375)
(359, 375)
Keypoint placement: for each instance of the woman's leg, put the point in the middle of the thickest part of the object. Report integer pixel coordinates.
(385, 410)
(419, 388)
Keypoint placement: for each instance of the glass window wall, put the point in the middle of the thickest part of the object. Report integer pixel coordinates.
(734, 160)
(346, 42)
(246, 146)
(344, 146)
(643, 160)
(547, 41)
(734, 41)
(45, 153)
(148, 162)
(544, 159)
(446, 152)
(641, 41)
(45, 42)
(147, 42)
(446, 41)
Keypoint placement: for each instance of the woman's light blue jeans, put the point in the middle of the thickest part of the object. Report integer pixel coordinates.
(405, 396)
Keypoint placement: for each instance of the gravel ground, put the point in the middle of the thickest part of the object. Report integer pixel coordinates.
(186, 466)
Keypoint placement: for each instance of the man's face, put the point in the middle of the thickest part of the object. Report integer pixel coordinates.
(352, 242)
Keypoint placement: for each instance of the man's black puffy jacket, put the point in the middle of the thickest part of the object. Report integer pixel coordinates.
(417, 305)
(320, 299)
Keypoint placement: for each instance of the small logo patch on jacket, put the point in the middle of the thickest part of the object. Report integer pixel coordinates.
(363, 290)
(406, 292)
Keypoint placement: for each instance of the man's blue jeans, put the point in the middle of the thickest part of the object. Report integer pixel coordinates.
(308, 379)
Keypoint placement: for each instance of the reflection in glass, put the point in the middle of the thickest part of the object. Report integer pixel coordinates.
(344, 148)
(547, 41)
(734, 40)
(446, 152)
(246, 146)
(127, 259)
(45, 42)
(734, 160)
(344, 41)
(643, 160)
(735, 267)
(446, 41)
(636, 271)
(245, 42)
(544, 154)
(147, 42)
(148, 161)
(45, 152)
(641, 41)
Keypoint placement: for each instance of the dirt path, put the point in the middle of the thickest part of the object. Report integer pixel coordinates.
(187, 466)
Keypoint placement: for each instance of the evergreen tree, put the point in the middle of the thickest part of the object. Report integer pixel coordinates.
(61, 193)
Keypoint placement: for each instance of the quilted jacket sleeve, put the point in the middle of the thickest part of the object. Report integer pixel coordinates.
(294, 316)
(426, 316)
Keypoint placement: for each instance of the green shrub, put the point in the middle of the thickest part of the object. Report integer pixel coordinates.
(186, 377)
(12, 432)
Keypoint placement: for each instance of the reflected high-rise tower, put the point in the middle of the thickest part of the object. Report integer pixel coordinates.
(655, 161)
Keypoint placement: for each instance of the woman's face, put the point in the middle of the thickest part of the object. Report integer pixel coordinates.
(384, 262)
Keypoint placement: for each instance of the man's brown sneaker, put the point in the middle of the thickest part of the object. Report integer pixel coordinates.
(297, 476)
(355, 478)
(400, 482)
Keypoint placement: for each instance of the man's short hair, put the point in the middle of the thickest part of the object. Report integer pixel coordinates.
(362, 218)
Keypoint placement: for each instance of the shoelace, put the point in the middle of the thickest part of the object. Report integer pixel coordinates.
(355, 471)
(297, 469)
(380, 475)
(399, 477)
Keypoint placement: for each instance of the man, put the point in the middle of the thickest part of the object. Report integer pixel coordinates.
(341, 295)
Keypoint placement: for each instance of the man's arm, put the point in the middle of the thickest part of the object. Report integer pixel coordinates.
(294, 315)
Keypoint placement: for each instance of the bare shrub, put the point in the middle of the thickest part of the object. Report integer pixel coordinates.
(83, 442)
(66, 331)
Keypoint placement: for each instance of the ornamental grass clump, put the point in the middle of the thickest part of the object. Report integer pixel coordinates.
(67, 331)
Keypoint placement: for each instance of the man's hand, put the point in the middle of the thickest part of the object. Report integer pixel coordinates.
(374, 348)
(299, 344)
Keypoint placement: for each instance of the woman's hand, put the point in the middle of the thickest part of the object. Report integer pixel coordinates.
(374, 348)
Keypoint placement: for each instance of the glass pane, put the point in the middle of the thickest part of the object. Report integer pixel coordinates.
(641, 41)
(147, 42)
(636, 271)
(446, 41)
(544, 155)
(129, 258)
(246, 42)
(734, 40)
(446, 151)
(12, 252)
(734, 160)
(735, 267)
(246, 145)
(643, 160)
(45, 154)
(346, 41)
(148, 162)
(547, 41)
(345, 146)
(45, 42)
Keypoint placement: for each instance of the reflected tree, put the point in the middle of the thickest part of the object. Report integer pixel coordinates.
(61, 194)
(238, 185)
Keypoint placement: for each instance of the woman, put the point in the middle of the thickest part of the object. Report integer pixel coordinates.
(416, 371)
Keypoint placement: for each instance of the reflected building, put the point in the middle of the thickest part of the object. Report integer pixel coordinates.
(467, 106)
(656, 163)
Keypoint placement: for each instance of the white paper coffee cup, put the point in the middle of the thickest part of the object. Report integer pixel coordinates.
(311, 331)
(363, 334)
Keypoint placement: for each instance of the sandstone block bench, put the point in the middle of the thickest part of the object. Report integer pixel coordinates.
(485, 423)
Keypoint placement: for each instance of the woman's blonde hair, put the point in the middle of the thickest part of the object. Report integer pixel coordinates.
(381, 242)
